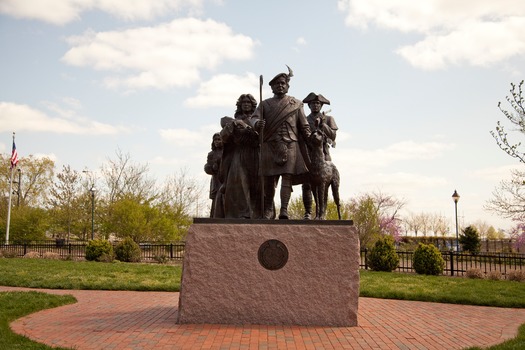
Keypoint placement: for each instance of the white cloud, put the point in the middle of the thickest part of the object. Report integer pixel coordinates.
(182, 137)
(401, 151)
(301, 41)
(407, 181)
(479, 33)
(223, 90)
(168, 55)
(495, 174)
(64, 11)
(22, 117)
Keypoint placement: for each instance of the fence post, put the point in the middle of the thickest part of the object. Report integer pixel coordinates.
(171, 250)
(366, 265)
(451, 263)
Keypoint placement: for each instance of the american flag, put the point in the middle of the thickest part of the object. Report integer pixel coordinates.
(14, 156)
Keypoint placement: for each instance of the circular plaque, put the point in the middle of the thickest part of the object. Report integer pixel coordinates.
(273, 254)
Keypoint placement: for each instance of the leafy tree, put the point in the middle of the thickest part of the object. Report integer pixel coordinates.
(296, 208)
(374, 214)
(63, 199)
(483, 228)
(469, 239)
(36, 178)
(179, 197)
(27, 224)
(509, 198)
(493, 234)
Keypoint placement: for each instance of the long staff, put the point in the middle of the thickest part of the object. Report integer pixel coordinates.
(261, 145)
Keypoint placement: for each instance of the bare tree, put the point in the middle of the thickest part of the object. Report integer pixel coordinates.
(414, 222)
(439, 225)
(482, 227)
(509, 197)
(124, 178)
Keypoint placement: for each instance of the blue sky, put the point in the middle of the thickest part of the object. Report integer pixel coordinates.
(414, 86)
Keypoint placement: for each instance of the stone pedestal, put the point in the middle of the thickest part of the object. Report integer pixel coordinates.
(270, 272)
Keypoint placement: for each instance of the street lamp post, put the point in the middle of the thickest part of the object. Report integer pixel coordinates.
(92, 190)
(455, 198)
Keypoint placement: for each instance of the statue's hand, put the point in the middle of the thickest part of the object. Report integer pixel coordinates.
(260, 125)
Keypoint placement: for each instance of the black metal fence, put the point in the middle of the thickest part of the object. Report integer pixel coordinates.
(151, 252)
(457, 264)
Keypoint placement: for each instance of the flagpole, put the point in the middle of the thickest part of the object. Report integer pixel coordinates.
(10, 195)
(9, 206)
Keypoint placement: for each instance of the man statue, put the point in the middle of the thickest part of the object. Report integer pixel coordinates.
(329, 127)
(284, 127)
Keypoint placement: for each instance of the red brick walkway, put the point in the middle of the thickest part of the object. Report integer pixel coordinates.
(146, 320)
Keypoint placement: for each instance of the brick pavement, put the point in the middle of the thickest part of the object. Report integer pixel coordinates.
(111, 320)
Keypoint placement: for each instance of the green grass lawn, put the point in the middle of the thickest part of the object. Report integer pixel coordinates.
(57, 274)
(18, 304)
(442, 289)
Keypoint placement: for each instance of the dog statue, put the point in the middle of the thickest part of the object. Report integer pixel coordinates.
(323, 174)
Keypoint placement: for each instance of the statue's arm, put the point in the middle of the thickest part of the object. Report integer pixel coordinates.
(209, 167)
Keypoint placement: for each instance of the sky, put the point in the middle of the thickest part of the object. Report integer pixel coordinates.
(413, 85)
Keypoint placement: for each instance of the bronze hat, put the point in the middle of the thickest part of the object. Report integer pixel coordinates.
(314, 97)
(284, 75)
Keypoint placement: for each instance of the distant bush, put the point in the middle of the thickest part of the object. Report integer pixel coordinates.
(99, 250)
(475, 273)
(383, 256)
(494, 275)
(51, 255)
(8, 254)
(161, 258)
(128, 251)
(32, 255)
(516, 275)
(427, 260)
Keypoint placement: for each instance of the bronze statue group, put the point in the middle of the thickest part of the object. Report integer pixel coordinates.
(267, 142)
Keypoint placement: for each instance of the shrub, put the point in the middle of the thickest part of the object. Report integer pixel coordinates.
(475, 273)
(107, 258)
(161, 258)
(96, 248)
(494, 275)
(427, 260)
(128, 251)
(8, 254)
(32, 255)
(51, 255)
(516, 275)
(383, 256)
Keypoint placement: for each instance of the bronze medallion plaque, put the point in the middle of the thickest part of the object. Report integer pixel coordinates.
(273, 254)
